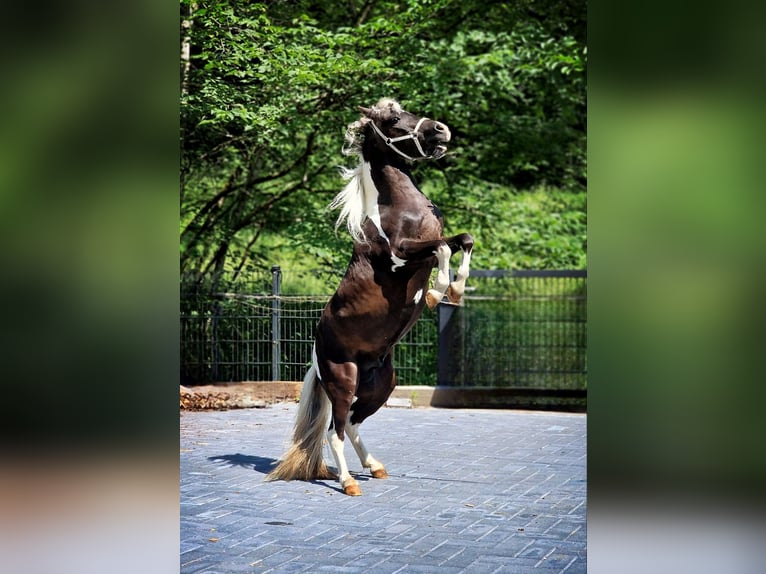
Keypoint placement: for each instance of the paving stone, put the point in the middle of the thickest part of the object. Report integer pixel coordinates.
(399, 403)
(470, 491)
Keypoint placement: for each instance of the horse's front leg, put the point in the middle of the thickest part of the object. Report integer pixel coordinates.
(443, 249)
(441, 282)
(409, 250)
(464, 242)
(340, 389)
(379, 384)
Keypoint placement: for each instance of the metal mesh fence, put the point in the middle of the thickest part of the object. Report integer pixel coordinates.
(519, 329)
(231, 337)
(234, 340)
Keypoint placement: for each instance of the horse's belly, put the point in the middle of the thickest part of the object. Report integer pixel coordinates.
(371, 312)
(374, 332)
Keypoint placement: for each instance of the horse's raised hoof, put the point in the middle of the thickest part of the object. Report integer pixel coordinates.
(432, 300)
(352, 488)
(379, 473)
(454, 297)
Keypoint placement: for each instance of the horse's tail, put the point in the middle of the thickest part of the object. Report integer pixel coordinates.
(303, 460)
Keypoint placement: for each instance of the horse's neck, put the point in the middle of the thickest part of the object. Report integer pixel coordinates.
(393, 183)
(400, 207)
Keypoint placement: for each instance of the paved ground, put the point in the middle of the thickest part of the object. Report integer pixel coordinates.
(474, 491)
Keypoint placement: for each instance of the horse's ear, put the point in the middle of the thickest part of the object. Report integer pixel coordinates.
(367, 111)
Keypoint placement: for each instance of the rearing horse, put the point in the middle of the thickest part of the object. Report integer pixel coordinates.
(398, 241)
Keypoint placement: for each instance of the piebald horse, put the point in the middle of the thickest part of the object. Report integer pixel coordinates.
(398, 241)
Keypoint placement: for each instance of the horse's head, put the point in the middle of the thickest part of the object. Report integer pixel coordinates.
(410, 136)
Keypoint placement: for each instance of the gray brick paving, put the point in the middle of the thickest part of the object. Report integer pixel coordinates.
(476, 491)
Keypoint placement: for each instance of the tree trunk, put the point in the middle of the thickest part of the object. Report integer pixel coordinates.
(186, 26)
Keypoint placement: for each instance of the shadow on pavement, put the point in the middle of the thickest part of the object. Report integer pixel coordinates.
(264, 465)
(259, 463)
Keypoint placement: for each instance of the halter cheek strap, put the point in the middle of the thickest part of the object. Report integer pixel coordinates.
(413, 135)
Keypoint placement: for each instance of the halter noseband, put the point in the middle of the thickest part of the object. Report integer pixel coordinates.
(413, 135)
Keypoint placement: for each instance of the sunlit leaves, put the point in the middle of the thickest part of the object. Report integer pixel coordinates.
(271, 88)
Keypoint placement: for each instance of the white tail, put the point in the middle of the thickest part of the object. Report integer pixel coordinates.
(303, 460)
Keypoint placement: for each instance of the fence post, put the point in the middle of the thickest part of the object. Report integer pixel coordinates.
(444, 312)
(276, 288)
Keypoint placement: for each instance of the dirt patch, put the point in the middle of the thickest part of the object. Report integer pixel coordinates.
(260, 394)
(244, 395)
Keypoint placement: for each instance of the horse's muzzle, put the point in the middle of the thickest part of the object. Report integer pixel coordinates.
(443, 132)
(439, 151)
(441, 135)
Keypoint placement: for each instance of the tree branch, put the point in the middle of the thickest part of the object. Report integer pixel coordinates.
(365, 12)
(259, 210)
(231, 187)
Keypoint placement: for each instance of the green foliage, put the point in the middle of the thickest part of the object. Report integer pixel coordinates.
(269, 88)
(538, 229)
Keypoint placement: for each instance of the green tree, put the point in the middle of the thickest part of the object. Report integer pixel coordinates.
(268, 88)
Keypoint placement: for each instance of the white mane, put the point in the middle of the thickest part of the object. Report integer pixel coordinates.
(358, 200)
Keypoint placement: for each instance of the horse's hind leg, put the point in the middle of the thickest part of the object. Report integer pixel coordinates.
(375, 388)
(348, 483)
(341, 392)
(368, 461)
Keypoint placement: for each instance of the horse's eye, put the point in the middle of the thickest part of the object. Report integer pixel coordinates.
(394, 120)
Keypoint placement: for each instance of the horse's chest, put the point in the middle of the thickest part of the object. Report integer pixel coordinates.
(420, 225)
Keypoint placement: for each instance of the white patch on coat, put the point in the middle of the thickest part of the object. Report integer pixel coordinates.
(373, 211)
(398, 262)
(418, 296)
(315, 360)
